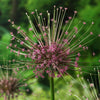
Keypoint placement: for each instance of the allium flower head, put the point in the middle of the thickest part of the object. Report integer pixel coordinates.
(9, 86)
(11, 83)
(53, 43)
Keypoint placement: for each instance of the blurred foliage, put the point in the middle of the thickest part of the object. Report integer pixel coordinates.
(4, 11)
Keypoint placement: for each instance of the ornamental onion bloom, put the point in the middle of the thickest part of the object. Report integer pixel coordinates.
(53, 44)
(11, 83)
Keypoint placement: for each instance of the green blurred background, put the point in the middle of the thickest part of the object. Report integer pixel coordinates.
(88, 10)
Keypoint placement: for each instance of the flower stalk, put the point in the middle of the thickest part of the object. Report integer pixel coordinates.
(52, 88)
(9, 97)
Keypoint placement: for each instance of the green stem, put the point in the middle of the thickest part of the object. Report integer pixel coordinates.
(8, 97)
(52, 88)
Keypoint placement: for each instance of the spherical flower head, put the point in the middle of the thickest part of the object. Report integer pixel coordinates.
(53, 47)
(51, 58)
(9, 86)
(11, 82)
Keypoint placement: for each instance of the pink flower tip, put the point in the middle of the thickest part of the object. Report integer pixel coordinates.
(27, 66)
(12, 22)
(66, 32)
(91, 33)
(93, 53)
(78, 75)
(21, 42)
(9, 20)
(87, 48)
(60, 7)
(33, 35)
(75, 12)
(45, 34)
(25, 56)
(15, 46)
(91, 85)
(36, 76)
(18, 69)
(51, 19)
(83, 48)
(26, 38)
(30, 29)
(66, 21)
(92, 22)
(79, 54)
(66, 67)
(10, 44)
(11, 33)
(32, 13)
(7, 47)
(40, 14)
(59, 75)
(77, 58)
(84, 23)
(87, 99)
(70, 17)
(13, 38)
(18, 27)
(23, 50)
(80, 45)
(74, 36)
(38, 24)
(66, 8)
(13, 60)
(18, 32)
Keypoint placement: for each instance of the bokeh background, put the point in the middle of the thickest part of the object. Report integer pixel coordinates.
(88, 10)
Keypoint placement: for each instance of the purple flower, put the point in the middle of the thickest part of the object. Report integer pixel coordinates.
(11, 82)
(56, 44)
